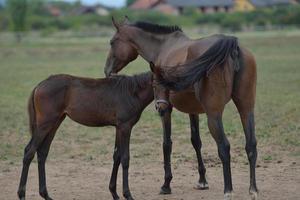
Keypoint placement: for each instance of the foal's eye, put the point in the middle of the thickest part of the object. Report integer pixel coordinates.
(111, 42)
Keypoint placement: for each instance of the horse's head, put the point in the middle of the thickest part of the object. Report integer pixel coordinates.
(161, 94)
(122, 50)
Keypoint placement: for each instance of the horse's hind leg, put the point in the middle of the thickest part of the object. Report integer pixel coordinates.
(197, 144)
(42, 153)
(246, 110)
(244, 91)
(215, 125)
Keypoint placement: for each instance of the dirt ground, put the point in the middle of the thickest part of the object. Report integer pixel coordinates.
(77, 180)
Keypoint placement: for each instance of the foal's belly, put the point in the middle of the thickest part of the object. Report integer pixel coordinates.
(185, 101)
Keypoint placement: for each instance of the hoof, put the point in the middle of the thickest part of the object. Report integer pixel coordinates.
(22, 198)
(116, 197)
(253, 195)
(130, 198)
(165, 190)
(201, 186)
(228, 196)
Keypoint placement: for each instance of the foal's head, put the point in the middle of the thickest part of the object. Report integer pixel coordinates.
(122, 50)
(161, 94)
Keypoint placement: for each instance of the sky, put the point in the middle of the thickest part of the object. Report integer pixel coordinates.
(111, 3)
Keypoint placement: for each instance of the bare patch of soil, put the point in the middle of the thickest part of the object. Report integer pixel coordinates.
(77, 180)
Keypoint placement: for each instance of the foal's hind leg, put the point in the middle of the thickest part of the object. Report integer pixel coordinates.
(42, 153)
(29, 152)
(197, 144)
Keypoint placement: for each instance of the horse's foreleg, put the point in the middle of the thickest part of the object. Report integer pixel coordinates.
(114, 174)
(125, 132)
(197, 144)
(215, 125)
(167, 150)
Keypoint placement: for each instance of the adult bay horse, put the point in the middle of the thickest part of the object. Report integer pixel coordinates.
(231, 74)
(117, 101)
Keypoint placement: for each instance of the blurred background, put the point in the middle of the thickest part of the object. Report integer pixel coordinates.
(90, 17)
(39, 38)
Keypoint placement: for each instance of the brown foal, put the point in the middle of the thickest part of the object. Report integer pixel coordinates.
(181, 65)
(117, 101)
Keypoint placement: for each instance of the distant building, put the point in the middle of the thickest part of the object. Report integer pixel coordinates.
(243, 5)
(271, 3)
(160, 5)
(96, 9)
(54, 10)
(206, 6)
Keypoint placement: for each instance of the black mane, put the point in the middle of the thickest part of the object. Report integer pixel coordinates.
(128, 87)
(156, 28)
(132, 84)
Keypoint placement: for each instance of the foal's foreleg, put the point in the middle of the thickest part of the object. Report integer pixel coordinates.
(215, 125)
(167, 150)
(197, 144)
(125, 132)
(114, 173)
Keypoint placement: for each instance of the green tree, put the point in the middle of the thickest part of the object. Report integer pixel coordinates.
(18, 9)
(129, 2)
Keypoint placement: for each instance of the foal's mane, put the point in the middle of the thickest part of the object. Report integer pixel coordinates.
(156, 28)
(129, 85)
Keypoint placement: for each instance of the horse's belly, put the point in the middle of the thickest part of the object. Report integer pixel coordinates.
(185, 101)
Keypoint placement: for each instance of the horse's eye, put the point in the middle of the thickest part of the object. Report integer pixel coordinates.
(111, 42)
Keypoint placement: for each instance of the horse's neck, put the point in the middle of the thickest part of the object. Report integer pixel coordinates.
(174, 51)
(152, 46)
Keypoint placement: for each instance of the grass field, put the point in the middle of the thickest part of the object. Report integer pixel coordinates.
(24, 65)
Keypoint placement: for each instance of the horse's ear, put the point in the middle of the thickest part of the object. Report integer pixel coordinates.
(116, 24)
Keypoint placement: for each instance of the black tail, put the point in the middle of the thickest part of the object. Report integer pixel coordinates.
(31, 112)
(183, 76)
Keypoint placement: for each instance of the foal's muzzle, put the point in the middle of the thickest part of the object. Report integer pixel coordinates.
(161, 110)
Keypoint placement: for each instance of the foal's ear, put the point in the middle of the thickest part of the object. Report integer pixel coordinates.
(152, 66)
(126, 20)
(115, 23)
